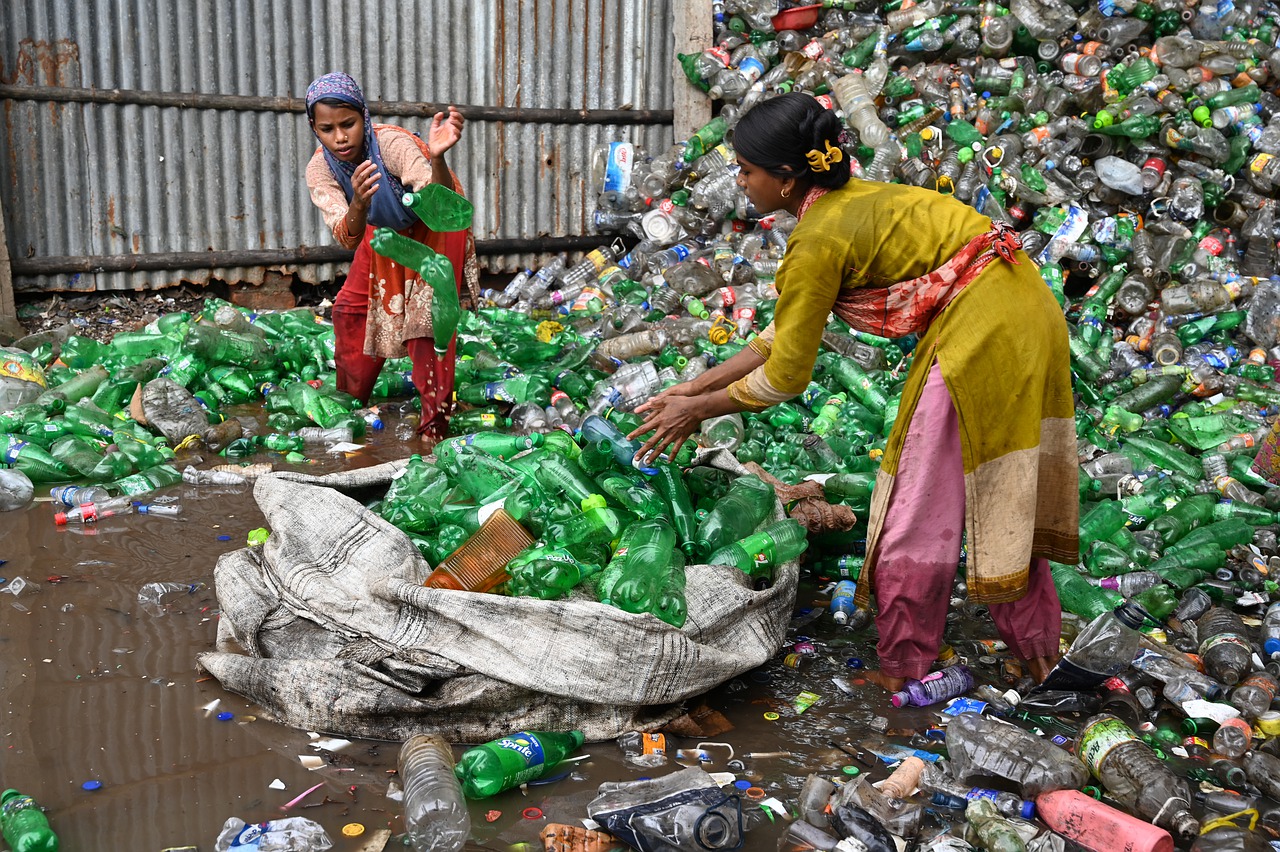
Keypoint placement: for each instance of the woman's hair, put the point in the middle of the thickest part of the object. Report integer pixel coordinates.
(331, 102)
(780, 134)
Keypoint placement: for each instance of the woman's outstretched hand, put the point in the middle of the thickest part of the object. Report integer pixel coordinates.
(672, 416)
(446, 130)
(364, 183)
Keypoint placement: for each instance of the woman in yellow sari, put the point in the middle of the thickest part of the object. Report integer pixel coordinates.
(984, 442)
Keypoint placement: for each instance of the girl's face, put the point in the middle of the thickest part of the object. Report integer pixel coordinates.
(763, 189)
(341, 131)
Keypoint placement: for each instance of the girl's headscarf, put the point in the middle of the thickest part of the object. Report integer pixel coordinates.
(386, 209)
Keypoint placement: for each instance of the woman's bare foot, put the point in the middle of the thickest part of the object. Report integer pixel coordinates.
(1039, 667)
(884, 681)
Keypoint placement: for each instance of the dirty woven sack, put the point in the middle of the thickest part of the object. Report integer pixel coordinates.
(678, 812)
(329, 628)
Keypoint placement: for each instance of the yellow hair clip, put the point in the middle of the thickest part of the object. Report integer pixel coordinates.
(820, 161)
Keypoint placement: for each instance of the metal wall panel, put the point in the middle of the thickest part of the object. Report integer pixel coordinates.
(93, 179)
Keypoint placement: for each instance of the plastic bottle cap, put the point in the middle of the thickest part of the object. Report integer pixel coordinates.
(771, 716)
(352, 829)
(531, 813)
(850, 770)
(742, 784)
(899, 698)
(1028, 810)
(91, 786)
(1272, 646)
(854, 663)
(225, 716)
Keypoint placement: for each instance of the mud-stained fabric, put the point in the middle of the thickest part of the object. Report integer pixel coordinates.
(328, 628)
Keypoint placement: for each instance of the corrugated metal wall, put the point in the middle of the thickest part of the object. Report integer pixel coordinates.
(95, 179)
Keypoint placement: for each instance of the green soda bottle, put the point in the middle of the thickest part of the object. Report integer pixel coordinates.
(435, 269)
(671, 485)
(73, 390)
(440, 208)
(563, 476)
(852, 377)
(498, 445)
(477, 420)
(26, 829)
(32, 460)
(1080, 598)
(310, 403)
(1221, 534)
(547, 572)
(511, 761)
(736, 515)
(1159, 600)
(151, 479)
(1101, 522)
(637, 575)
(1190, 513)
(639, 498)
(216, 346)
(757, 554)
(78, 454)
(1205, 556)
(516, 389)
(705, 138)
(596, 524)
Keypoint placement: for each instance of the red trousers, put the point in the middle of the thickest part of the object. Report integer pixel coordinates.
(356, 372)
(919, 549)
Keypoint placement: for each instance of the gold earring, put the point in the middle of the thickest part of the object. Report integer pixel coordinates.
(786, 193)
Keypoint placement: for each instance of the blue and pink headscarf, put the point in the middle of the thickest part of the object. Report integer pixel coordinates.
(386, 208)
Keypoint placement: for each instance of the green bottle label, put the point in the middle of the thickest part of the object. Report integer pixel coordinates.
(1099, 739)
(528, 747)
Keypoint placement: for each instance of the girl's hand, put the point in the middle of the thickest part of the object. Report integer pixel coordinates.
(364, 183)
(682, 389)
(445, 131)
(672, 419)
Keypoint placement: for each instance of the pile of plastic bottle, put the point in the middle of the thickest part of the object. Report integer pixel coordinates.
(1134, 145)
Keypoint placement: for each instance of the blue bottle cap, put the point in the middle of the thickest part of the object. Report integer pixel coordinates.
(1272, 646)
(91, 786)
(224, 538)
(225, 716)
(854, 663)
(742, 784)
(1028, 810)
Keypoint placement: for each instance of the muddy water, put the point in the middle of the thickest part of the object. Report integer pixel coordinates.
(99, 689)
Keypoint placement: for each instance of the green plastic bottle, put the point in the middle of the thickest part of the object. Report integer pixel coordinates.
(1078, 596)
(640, 569)
(144, 481)
(26, 829)
(547, 572)
(440, 208)
(671, 485)
(32, 460)
(758, 554)
(511, 761)
(736, 515)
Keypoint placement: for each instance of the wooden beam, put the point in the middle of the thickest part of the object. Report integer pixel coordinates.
(693, 32)
(10, 328)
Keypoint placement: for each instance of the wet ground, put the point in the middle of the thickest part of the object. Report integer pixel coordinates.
(99, 689)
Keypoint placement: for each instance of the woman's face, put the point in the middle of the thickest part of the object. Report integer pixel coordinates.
(341, 130)
(763, 189)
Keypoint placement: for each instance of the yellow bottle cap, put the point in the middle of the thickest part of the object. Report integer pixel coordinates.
(1269, 723)
(352, 829)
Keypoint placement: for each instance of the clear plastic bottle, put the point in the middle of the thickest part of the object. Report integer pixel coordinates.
(980, 746)
(1102, 650)
(1224, 645)
(435, 811)
(1134, 776)
(859, 107)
